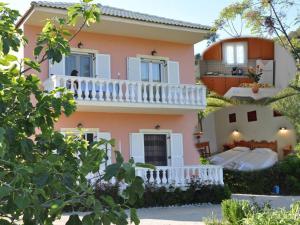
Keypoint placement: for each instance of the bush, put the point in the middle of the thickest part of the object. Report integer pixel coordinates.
(275, 217)
(155, 196)
(235, 211)
(243, 213)
(285, 173)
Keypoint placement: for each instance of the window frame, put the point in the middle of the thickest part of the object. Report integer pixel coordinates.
(163, 70)
(235, 45)
(85, 51)
(77, 63)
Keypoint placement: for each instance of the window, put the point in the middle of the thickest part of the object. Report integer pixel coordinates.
(152, 70)
(235, 53)
(82, 63)
(156, 149)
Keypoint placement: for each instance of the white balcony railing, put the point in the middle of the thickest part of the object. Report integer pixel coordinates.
(125, 91)
(181, 176)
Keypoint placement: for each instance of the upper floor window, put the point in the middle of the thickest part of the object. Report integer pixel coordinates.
(78, 64)
(152, 70)
(235, 53)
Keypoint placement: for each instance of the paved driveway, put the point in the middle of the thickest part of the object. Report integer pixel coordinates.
(195, 214)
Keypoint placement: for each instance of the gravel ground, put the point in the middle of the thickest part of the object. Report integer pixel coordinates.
(195, 214)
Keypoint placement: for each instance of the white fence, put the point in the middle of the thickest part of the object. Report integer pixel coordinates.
(96, 89)
(181, 176)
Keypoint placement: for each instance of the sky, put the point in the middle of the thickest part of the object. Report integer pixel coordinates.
(197, 11)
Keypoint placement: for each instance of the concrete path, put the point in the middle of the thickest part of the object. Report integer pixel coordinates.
(195, 214)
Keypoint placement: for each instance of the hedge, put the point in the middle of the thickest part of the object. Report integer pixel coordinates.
(285, 174)
(155, 196)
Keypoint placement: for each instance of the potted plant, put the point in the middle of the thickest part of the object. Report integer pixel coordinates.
(255, 74)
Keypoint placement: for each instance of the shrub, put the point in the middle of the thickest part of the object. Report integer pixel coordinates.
(234, 211)
(275, 217)
(285, 173)
(243, 213)
(155, 196)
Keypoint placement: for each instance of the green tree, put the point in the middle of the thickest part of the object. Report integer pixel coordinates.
(41, 171)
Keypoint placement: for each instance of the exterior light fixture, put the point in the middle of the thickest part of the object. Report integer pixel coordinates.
(157, 127)
(80, 45)
(153, 52)
(235, 132)
(282, 128)
(79, 125)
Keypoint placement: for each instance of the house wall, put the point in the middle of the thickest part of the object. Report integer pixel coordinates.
(120, 125)
(122, 47)
(209, 134)
(265, 128)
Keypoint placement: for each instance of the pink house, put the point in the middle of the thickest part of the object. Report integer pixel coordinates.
(132, 76)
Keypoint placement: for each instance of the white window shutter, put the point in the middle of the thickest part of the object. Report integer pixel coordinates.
(103, 66)
(134, 68)
(137, 148)
(173, 72)
(176, 149)
(58, 68)
(106, 136)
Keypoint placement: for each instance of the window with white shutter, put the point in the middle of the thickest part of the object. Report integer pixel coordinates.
(137, 150)
(103, 66)
(134, 69)
(173, 72)
(176, 150)
(57, 68)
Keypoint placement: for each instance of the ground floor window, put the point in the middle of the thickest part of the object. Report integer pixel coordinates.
(156, 149)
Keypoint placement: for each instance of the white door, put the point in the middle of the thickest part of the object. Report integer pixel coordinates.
(176, 142)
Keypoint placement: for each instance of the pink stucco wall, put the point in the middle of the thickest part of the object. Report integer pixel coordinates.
(122, 47)
(120, 125)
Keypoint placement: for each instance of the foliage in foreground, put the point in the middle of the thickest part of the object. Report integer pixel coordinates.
(41, 171)
(244, 213)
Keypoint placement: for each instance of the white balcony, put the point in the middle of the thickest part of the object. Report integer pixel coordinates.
(108, 95)
(181, 176)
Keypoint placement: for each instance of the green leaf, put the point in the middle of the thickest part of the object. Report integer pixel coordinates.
(145, 165)
(134, 217)
(74, 220)
(32, 64)
(22, 201)
(37, 50)
(4, 222)
(4, 191)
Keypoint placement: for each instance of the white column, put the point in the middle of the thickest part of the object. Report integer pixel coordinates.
(93, 91)
(163, 93)
(145, 95)
(100, 91)
(127, 92)
(120, 94)
(79, 91)
(150, 93)
(114, 93)
(139, 92)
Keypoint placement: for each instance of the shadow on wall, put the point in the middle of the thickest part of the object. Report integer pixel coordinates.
(247, 122)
